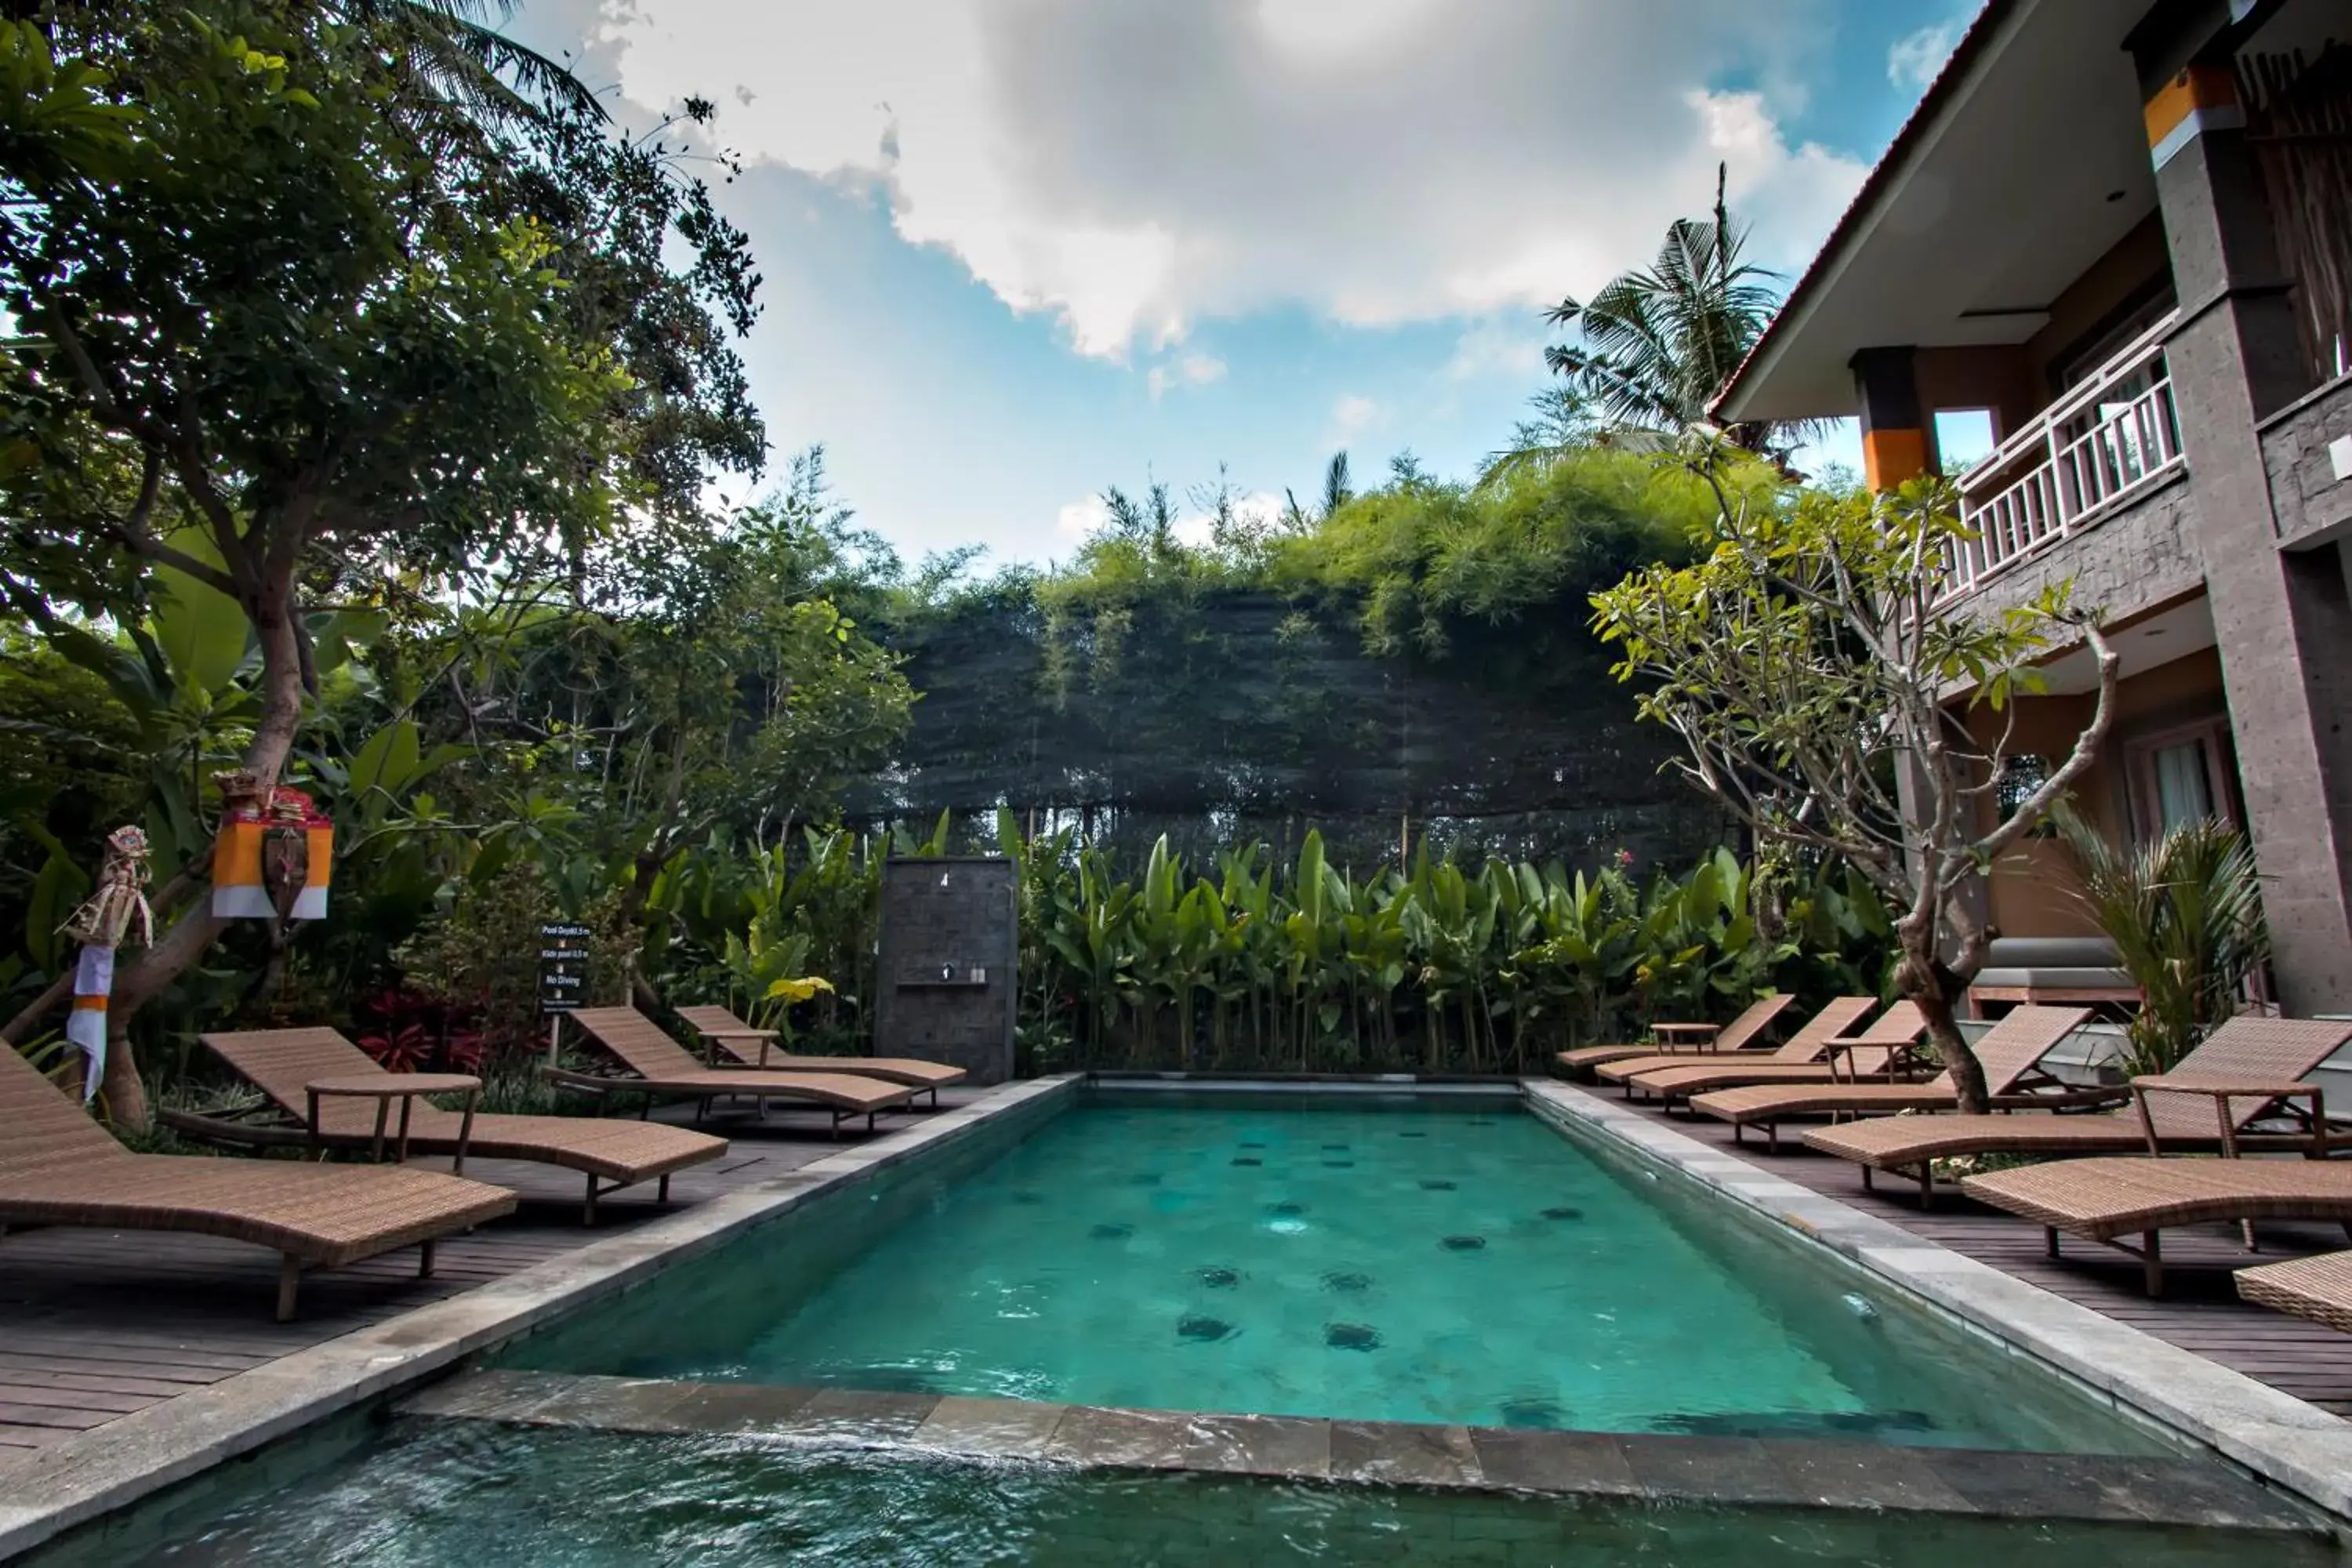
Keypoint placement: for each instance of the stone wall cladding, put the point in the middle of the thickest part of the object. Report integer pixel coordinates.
(959, 912)
(2142, 556)
(2312, 504)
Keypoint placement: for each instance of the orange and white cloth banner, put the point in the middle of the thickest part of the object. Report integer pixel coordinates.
(247, 876)
(86, 1024)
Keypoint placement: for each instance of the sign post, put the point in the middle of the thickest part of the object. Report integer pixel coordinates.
(562, 975)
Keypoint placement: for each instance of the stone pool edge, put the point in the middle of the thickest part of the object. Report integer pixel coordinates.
(95, 1473)
(2294, 1446)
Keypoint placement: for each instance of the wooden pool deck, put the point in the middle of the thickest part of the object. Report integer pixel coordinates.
(95, 1325)
(2199, 1311)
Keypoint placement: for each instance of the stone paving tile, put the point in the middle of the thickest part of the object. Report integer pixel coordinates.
(1259, 1445)
(481, 1396)
(1132, 1439)
(617, 1404)
(1844, 1475)
(1707, 1469)
(719, 1407)
(1013, 1428)
(2066, 1486)
(853, 1415)
(1395, 1454)
(1580, 1462)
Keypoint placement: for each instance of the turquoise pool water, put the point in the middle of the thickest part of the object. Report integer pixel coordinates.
(1404, 1260)
(434, 1495)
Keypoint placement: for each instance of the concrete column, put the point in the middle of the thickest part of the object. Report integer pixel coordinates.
(1899, 439)
(2281, 621)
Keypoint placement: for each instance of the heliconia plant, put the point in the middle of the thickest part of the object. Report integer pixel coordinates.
(1253, 965)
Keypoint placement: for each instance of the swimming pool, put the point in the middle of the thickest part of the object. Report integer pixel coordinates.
(1396, 1258)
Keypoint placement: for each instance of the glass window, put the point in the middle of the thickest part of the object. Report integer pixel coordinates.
(2184, 783)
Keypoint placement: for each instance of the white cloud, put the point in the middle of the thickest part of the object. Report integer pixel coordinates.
(1351, 416)
(1190, 369)
(1510, 347)
(1133, 170)
(1078, 518)
(1913, 60)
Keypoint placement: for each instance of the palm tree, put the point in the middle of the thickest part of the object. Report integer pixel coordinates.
(1656, 345)
(455, 49)
(1337, 491)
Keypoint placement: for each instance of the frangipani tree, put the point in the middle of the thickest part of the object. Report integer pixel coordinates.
(1823, 691)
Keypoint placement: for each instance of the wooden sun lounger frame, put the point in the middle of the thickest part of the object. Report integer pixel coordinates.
(63, 1169)
(2066, 1195)
(724, 1030)
(2318, 1287)
(1812, 1038)
(2021, 1083)
(1741, 1034)
(704, 1090)
(2113, 1121)
(276, 1120)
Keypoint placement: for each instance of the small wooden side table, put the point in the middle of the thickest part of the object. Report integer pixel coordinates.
(383, 1088)
(1699, 1036)
(764, 1038)
(2222, 1091)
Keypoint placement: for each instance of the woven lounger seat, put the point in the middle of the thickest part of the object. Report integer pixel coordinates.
(2102, 1199)
(666, 1068)
(2318, 1288)
(2008, 1052)
(2248, 1049)
(615, 1153)
(740, 1042)
(1809, 1044)
(1737, 1035)
(1878, 1053)
(59, 1167)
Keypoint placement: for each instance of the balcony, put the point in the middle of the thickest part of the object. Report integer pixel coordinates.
(2088, 456)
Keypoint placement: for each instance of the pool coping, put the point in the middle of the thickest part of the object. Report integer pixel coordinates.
(1812, 1475)
(2273, 1435)
(93, 1473)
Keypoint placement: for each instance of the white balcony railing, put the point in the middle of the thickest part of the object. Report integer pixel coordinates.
(2073, 467)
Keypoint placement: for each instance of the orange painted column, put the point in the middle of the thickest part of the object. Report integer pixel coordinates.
(1898, 443)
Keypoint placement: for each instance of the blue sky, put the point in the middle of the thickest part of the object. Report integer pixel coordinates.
(1018, 250)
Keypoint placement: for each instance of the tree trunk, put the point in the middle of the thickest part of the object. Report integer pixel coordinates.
(143, 978)
(1924, 979)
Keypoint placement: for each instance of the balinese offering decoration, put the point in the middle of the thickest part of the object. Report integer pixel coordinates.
(273, 856)
(118, 909)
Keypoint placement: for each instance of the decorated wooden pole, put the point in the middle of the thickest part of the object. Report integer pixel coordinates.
(116, 910)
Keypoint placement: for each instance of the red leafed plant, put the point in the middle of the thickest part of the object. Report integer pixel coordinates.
(408, 1030)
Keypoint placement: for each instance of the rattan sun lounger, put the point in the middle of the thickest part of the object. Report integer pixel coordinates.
(2104, 1199)
(1878, 1051)
(2009, 1051)
(667, 1070)
(2248, 1048)
(1742, 1032)
(610, 1154)
(747, 1046)
(1812, 1038)
(2318, 1287)
(59, 1167)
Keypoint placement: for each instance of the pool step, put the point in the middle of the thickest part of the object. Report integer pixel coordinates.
(1735, 1471)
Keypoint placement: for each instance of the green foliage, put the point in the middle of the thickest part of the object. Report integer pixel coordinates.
(2185, 913)
(1810, 657)
(1336, 668)
(482, 952)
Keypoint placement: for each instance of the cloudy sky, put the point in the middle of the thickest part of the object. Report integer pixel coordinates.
(1017, 250)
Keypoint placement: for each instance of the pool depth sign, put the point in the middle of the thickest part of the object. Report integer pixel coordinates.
(562, 966)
